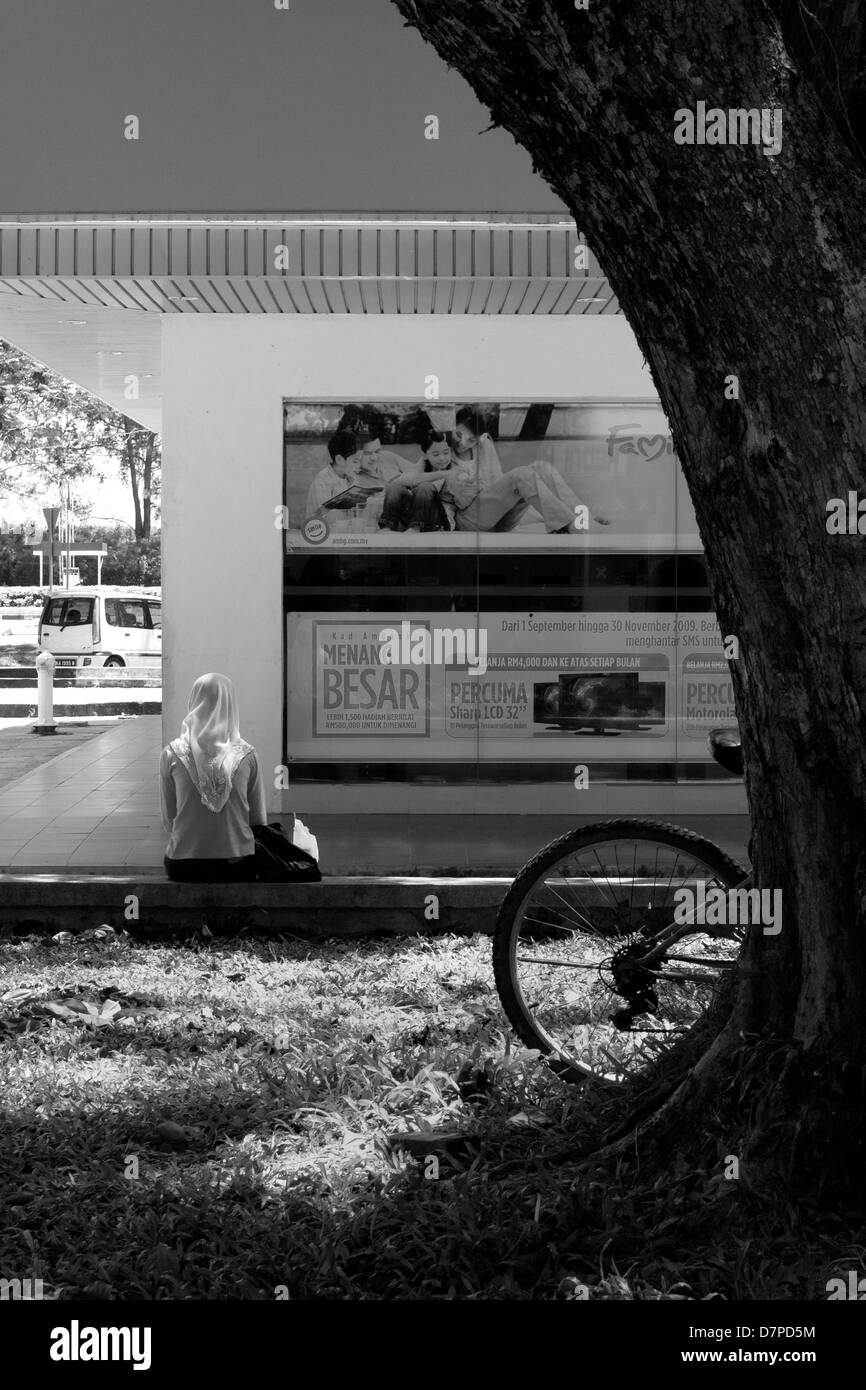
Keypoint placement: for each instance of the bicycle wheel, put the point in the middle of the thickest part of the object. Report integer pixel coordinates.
(573, 928)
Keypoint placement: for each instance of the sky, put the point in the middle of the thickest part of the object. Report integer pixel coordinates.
(242, 108)
(111, 499)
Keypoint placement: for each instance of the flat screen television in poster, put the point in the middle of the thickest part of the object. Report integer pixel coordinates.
(422, 475)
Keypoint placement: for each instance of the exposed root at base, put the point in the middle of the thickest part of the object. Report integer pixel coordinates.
(789, 1115)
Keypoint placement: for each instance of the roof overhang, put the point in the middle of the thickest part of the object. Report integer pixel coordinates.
(87, 295)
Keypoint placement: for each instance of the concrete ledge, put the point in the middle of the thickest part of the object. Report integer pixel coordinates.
(349, 906)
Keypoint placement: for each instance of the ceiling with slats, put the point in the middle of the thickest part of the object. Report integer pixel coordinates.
(86, 295)
(265, 266)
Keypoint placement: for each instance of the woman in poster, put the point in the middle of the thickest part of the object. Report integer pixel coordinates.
(490, 500)
(467, 490)
(413, 502)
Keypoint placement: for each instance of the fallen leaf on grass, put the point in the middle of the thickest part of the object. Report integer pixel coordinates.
(72, 1010)
(17, 996)
(530, 1119)
(96, 1015)
(103, 933)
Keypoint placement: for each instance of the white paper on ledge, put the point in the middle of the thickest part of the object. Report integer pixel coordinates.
(305, 839)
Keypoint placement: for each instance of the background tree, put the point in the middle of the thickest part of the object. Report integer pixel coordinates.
(140, 454)
(16, 561)
(730, 263)
(53, 432)
(130, 561)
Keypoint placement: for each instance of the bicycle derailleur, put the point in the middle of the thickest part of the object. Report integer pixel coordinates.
(635, 983)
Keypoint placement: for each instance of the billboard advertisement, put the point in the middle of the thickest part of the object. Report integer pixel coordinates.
(511, 687)
(429, 475)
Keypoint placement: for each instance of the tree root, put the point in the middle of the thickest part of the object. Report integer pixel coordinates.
(793, 1117)
(655, 1122)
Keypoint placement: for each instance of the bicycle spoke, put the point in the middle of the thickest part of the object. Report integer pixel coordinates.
(565, 964)
(553, 926)
(591, 953)
(583, 922)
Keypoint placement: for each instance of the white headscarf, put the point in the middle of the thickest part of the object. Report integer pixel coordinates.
(210, 745)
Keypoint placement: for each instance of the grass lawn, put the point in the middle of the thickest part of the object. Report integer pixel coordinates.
(221, 1133)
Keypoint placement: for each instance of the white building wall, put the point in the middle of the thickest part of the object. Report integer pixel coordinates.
(224, 378)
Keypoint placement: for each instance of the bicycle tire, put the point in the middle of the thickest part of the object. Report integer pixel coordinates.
(723, 867)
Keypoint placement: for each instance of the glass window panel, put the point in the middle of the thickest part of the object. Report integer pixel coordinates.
(565, 559)
(131, 613)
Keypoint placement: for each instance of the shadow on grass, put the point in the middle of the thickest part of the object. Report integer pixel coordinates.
(103, 1209)
(178, 1157)
(110, 1211)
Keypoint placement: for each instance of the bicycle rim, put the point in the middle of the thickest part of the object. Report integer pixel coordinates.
(571, 932)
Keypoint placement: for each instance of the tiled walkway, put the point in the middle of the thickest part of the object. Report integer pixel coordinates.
(96, 806)
(21, 751)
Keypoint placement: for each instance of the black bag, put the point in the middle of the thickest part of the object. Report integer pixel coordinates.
(279, 861)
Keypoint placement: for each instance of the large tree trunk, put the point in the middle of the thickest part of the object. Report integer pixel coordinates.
(729, 262)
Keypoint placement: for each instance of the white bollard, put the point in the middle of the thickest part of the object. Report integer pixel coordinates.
(45, 722)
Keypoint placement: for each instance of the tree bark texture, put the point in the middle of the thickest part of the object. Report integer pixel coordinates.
(131, 429)
(147, 476)
(729, 262)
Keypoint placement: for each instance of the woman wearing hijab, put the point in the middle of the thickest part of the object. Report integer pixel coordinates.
(212, 791)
